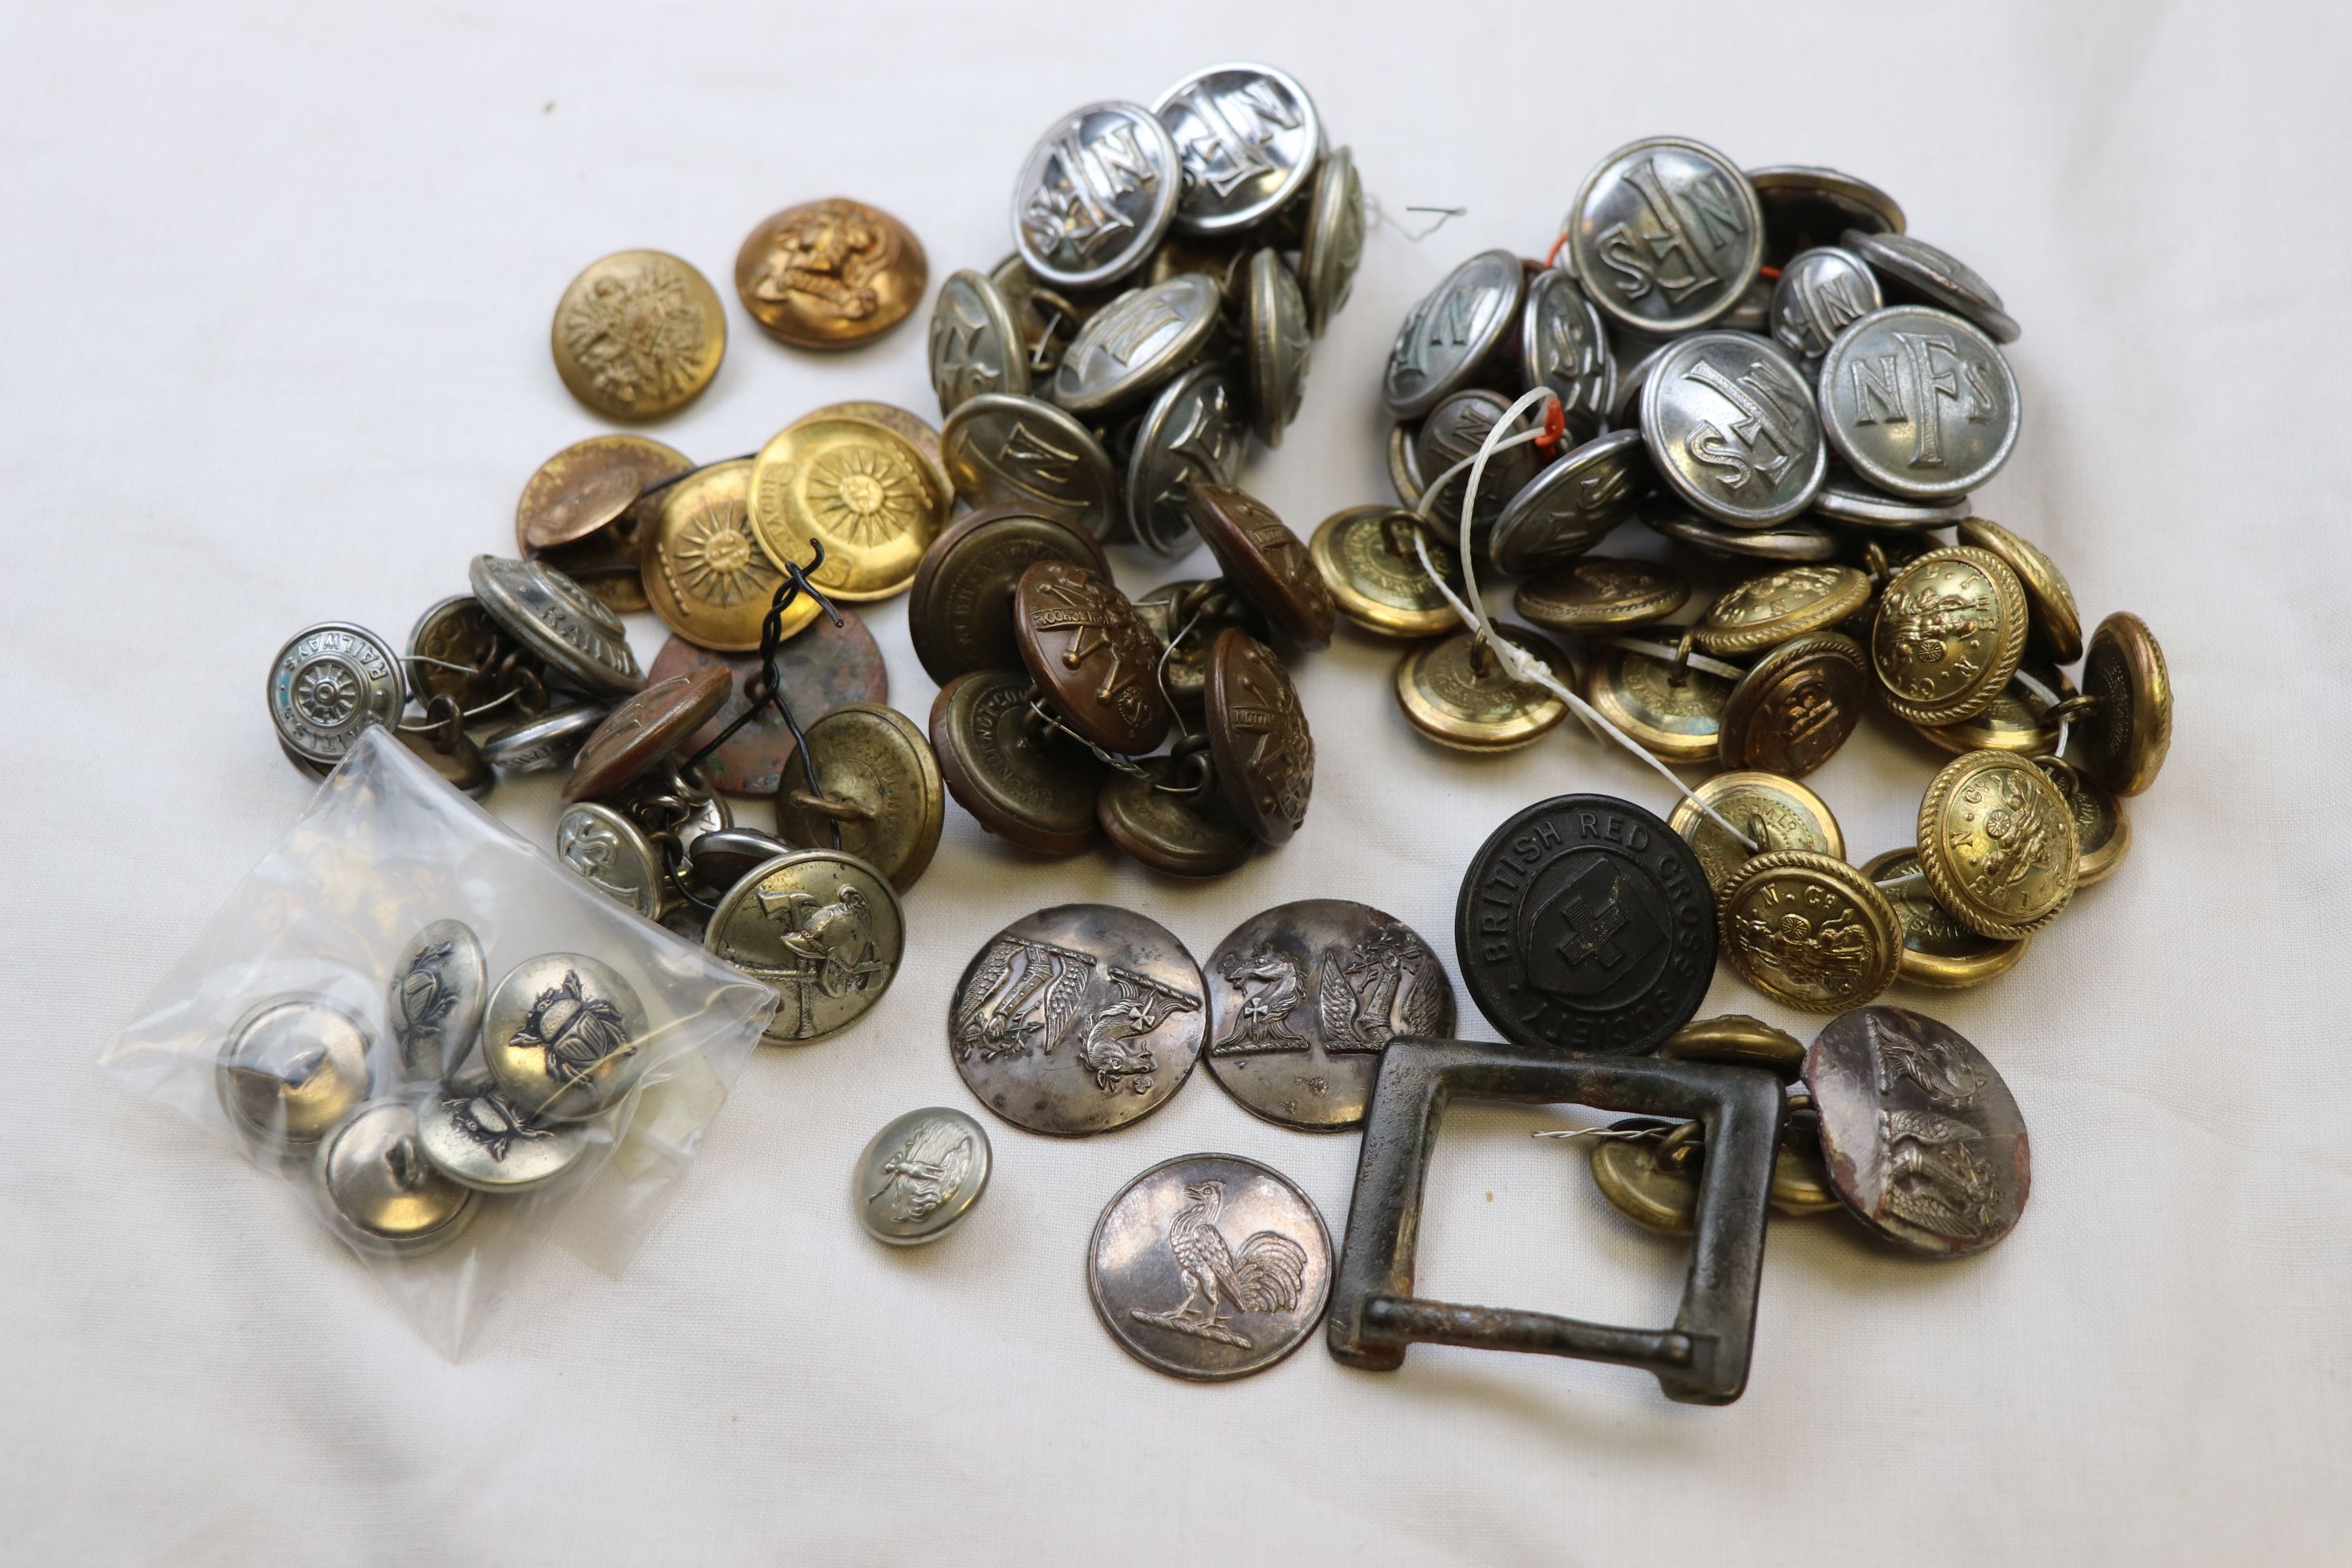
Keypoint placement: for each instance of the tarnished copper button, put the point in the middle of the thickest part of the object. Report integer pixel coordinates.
(824, 929)
(1366, 559)
(821, 669)
(1167, 828)
(861, 489)
(571, 511)
(639, 335)
(1796, 706)
(1676, 714)
(1456, 692)
(1002, 766)
(881, 792)
(1185, 617)
(1258, 734)
(644, 729)
(2122, 740)
(2055, 626)
(960, 609)
(1949, 632)
(830, 274)
(1596, 594)
(1777, 813)
(1937, 949)
(1809, 930)
(1997, 842)
(1265, 561)
(1087, 648)
(1765, 612)
(705, 574)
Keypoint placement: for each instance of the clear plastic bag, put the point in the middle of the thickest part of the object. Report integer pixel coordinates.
(329, 916)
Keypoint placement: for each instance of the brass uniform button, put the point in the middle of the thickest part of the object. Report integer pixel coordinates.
(1456, 692)
(959, 607)
(1185, 833)
(862, 489)
(1258, 735)
(1596, 594)
(2018, 721)
(1265, 561)
(571, 511)
(705, 574)
(1649, 1171)
(830, 274)
(646, 728)
(1949, 632)
(1737, 1038)
(2102, 826)
(1778, 812)
(2055, 626)
(1796, 706)
(1002, 766)
(1366, 558)
(1810, 931)
(881, 791)
(918, 432)
(1405, 464)
(1091, 654)
(2122, 738)
(1676, 715)
(639, 335)
(1997, 842)
(1765, 612)
(1937, 949)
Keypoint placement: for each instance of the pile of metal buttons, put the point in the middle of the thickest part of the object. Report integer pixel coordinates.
(1085, 1018)
(1172, 266)
(1764, 368)
(488, 1089)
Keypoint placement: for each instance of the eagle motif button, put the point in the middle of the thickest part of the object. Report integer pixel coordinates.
(639, 335)
(917, 1177)
(1809, 931)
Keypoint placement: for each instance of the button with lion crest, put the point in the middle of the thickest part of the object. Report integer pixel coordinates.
(1924, 1142)
(382, 1195)
(1777, 813)
(2121, 738)
(918, 1178)
(1303, 999)
(830, 274)
(1765, 612)
(1937, 951)
(564, 1037)
(1949, 633)
(639, 335)
(1809, 931)
(1997, 844)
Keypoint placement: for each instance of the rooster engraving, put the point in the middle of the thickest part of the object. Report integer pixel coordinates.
(1266, 1274)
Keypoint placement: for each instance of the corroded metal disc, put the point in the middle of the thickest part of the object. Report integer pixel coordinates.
(823, 668)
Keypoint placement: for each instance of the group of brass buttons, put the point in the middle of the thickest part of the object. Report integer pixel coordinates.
(474, 1090)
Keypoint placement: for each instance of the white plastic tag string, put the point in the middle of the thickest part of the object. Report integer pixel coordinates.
(1517, 663)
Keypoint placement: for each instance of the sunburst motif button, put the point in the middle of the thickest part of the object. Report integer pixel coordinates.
(860, 488)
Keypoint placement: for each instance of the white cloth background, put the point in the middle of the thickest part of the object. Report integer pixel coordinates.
(277, 282)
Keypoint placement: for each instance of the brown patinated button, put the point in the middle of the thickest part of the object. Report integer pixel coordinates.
(644, 729)
(639, 335)
(706, 575)
(1795, 708)
(2122, 741)
(1170, 830)
(960, 609)
(1091, 654)
(1257, 731)
(572, 513)
(830, 274)
(824, 668)
(1004, 767)
(1186, 615)
(1265, 561)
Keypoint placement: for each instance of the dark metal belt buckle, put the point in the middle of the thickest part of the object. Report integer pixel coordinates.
(1703, 1358)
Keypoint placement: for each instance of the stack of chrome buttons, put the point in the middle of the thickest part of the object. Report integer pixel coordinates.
(1172, 266)
(1765, 370)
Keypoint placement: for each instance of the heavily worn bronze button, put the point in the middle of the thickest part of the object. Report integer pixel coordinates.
(1765, 612)
(1799, 540)
(830, 274)
(960, 609)
(1676, 714)
(2055, 626)
(1937, 949)
(822, 669)
(1796, 706)
(1778, 812)
(1997, 842)
(636, 736)
(1265, 561)
(1366, 559)
(1091, 654)
(881, 792)
(1737, 1037)
(1258, 733)
(858, 487)
(1949, 632)
(1595, 595)
(1002, 766)
(2122, 738)
(564, 1037)
(1923, 1140)
(1810, 931)
(1585, 925)
(824, 929)
(1456, 692)
(572, 512)
(290, 1068)
(1077, 1019)
(705, 574)
(1169, 828)
(2018, 721)
(2102, 826)
(1303, 999)
(639, 335)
